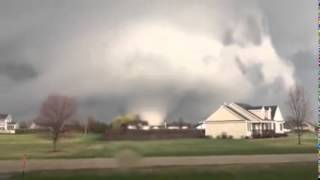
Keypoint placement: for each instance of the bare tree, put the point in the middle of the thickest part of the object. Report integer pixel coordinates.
(299, 109)
(55, 111)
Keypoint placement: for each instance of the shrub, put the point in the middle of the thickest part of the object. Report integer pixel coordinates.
(30, 131)
(230, 137)
(224, 135)
(280, 135)
(136, 134)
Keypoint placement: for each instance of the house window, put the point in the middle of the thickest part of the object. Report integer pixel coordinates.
(281, 127)
(274, 126)
(249, 127)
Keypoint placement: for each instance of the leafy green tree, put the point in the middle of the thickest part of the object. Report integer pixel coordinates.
(128, 119)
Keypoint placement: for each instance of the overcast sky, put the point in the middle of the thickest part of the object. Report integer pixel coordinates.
(161, 59)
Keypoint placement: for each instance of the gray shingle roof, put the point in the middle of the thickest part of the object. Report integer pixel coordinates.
(3, 116)
(235, 111)
(249, 107)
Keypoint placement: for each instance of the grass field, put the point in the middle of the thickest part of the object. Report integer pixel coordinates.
(87, 146)
(297, 171)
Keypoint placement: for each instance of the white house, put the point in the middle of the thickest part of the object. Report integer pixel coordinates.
(243, 120)
(34, 126)
(306, 126)
(7, 125)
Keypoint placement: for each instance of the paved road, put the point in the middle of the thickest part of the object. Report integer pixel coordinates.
(9, 166)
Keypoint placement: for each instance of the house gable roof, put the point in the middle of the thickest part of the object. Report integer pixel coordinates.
(240, 112)
(3, 116)
(249, 107)
(236, 112)
(249, 115)
(225, 113)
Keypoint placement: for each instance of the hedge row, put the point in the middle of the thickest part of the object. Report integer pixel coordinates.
(126, 134)
(30, 131)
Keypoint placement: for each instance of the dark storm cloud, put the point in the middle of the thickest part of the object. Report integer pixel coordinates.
(252, 72)
(265, 95)
(228, 38)
(17, 71)
(201, 100)
(305, 60)
(254, 33)
(192, 100)
(37, 38)
(104, 108)
(306, 74)
(292, 24)
(13, 62)
(241, 66)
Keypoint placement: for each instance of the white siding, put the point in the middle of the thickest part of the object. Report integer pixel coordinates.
(7, 128)
(237, 129)
(279, 122)
(225, 121)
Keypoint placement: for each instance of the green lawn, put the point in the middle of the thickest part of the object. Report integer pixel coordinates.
(86, 146)
(295, 171)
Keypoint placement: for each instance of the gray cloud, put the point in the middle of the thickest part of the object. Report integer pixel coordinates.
(17, 71)
(77, 48)
(254, 32)
(291, 25)
(306, 75)
(251, 32)
(253, 72)
(228, 38)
